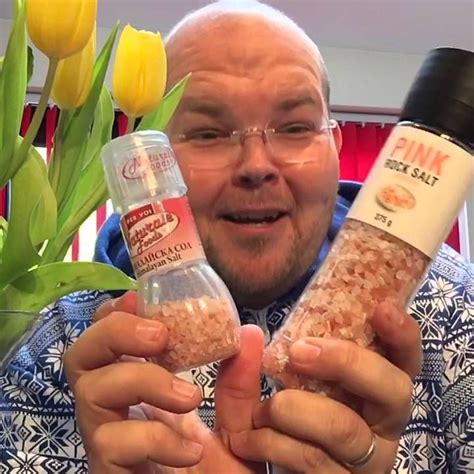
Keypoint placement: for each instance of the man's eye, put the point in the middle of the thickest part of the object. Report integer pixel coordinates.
(207, 135)
(297, 129)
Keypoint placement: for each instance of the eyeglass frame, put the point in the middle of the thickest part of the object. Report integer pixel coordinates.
(243, 133)
(240, 136)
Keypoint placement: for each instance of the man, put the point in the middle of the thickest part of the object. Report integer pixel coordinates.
(266, 214)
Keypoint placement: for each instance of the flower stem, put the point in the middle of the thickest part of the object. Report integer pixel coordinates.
(39, 112)
(130, 125)
(55, 163)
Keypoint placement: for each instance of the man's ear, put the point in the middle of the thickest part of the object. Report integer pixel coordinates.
(337, 135)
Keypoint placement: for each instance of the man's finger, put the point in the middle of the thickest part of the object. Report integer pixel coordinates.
(130, 383)
(284, 451)
(361, 372)
(238, 383)
(104, 395)
(340, 431)
(121, 446)
(400, 337)
(106, 341)
(126, 303)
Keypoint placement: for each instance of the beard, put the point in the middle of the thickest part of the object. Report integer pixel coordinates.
(258, 272)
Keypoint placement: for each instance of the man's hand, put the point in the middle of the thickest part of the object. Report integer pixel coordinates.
(310, 433)
(237, 392)
(105, 390)
(134, 416)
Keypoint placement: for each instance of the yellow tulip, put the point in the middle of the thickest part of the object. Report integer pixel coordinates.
(60, 28)
(139, 76)
(73, 78)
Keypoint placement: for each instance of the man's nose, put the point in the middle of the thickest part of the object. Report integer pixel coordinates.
(255, 166)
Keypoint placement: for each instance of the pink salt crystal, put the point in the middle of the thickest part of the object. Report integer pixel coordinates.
(200, 332)
(350, 300)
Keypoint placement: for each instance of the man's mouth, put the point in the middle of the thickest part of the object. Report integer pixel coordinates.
(254, 217)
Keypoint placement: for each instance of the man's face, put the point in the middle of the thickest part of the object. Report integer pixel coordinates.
(261, 221)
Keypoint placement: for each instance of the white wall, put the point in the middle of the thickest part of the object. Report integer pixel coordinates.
(369, 79)
(362, 82)
(359, 79)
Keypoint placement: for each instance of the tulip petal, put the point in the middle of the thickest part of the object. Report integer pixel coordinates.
(58, 28)
(159, 118)
(154, 79)
(139, 76)
(87, 13)
(126, 71)
(73, 78)
(77, 129)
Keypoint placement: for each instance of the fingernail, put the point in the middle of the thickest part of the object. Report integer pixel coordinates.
(148, 331)
(304, 353)
(118, 300)
(183, 388)
(191, 447)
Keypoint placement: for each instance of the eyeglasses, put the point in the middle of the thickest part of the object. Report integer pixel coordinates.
(294, 143)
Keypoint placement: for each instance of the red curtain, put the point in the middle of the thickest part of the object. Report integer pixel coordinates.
(361, 145)
(3, 202)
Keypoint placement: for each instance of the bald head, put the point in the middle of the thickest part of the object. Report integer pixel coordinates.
(237, 17)
(253, 70)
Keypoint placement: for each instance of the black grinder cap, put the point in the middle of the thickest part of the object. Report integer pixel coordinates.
(442, 94)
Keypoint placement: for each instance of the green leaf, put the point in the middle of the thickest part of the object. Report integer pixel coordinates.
(3, 232)
(36, 289)
(90, 190)
(13, 329)
(91, 200)
(43, 218)
(159, 118)
(12, 90)
(78, 127)
(102, 129)
(19, 253)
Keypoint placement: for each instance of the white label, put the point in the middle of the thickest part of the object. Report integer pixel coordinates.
(415, 188)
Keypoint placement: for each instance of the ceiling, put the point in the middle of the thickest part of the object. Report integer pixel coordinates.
(406, 26)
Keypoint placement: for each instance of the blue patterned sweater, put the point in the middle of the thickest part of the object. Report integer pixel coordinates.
(38, 431)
